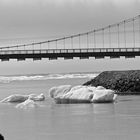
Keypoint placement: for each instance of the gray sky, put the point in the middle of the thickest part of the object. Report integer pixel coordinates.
(23, 18)
(48, 18)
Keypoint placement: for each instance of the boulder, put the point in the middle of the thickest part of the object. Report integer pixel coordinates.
(123, 82)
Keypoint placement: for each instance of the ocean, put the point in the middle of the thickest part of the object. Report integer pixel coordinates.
(50, 121)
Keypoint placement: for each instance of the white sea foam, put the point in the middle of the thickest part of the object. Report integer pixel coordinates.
(7, 79)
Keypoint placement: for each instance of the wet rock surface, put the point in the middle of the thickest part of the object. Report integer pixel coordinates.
(123, 82)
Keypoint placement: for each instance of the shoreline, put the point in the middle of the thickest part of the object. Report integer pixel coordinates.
(127, 93)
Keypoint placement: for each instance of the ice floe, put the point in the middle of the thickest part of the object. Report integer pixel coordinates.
(29, 103)
(15, 98)
(24, 101)
(82, 94)
(21, 98)
(35, 97)
(61, 90)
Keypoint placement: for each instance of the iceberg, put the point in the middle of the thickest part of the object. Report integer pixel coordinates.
(15, 98)
(35, 97)
(54, 91)
(29, 103)
(82, 94)
(100, 88)
(21, 98)
(103, 95)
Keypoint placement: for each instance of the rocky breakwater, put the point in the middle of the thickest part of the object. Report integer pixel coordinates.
(82, 94)
(123, 82)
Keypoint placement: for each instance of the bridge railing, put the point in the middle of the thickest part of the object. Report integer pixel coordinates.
(66, 51)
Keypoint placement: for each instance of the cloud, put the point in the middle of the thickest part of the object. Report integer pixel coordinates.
(124, 2)
(63, 2)
(37, 16)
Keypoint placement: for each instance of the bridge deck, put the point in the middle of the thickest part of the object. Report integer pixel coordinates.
(69, 53)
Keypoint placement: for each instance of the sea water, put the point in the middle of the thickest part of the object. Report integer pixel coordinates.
(50, 121)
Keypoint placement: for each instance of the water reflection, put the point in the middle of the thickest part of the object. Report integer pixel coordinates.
(104, 108)
(73, 121)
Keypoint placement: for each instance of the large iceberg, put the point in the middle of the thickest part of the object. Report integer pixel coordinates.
(82, 94)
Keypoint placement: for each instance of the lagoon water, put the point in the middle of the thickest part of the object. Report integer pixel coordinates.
(50, 121)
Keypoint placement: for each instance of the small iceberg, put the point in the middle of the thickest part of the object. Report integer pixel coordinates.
(25, 101)
(82, 94)
(15, 98)
(29, 103)
(21, 98)
(35, 97)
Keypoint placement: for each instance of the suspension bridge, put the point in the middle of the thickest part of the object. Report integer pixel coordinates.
(114, 41)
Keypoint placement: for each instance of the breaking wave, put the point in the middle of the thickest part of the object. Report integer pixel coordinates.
(7, 79)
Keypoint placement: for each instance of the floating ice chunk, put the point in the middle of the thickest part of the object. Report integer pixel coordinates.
(115, 97)
(103, 96)
(22, 98)
(55, 91)
(82, 94)
(27, 104)
(76, 88)
(100, 88)
(15, 98)
(91, 88)
(35, 97)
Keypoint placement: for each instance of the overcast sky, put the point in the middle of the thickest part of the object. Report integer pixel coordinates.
(48, 18)
(26, 18)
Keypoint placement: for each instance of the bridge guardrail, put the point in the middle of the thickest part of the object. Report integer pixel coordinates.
(66, 51)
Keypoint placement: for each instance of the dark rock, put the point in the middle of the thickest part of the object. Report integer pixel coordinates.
(124, 82)
(1, 137)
